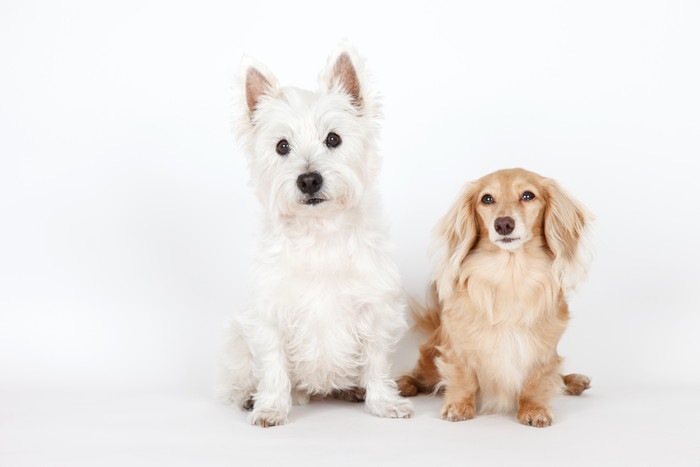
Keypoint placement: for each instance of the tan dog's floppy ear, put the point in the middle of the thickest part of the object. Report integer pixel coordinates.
(566, 225)
(456, 234)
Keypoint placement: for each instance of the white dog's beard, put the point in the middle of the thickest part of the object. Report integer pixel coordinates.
(336, 195)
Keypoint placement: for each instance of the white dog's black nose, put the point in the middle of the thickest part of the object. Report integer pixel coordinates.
(310, 183)
(504, 225)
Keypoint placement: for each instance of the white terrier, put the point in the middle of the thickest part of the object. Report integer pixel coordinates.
(327, 304)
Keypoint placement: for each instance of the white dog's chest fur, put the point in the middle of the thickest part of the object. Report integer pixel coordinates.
(328, 295)
(323, 346)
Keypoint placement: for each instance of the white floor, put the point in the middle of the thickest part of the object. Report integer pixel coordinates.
(605, 426)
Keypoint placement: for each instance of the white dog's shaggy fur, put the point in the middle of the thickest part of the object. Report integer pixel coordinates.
(327, 306)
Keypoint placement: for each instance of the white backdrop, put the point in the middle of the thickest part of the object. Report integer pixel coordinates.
(126, 222)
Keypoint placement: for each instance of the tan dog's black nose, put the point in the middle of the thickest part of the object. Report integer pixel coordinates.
(504, 225)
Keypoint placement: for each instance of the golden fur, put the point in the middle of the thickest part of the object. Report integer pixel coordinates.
(499, 299)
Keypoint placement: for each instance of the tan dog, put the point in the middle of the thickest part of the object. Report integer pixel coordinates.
(511, 247)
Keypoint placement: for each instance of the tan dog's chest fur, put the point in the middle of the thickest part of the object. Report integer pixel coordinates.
(504, 322)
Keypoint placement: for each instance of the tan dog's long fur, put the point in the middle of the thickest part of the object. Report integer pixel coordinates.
(499, 305)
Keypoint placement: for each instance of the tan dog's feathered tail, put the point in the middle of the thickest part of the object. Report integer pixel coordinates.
(425, 376)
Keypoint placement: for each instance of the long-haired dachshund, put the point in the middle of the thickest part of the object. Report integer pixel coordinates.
(510, 248)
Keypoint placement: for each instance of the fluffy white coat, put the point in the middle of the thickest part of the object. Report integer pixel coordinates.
(327, 305)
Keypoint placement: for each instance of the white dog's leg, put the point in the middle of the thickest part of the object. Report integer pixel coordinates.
(382, 397)
(236, 383)
(273, 396)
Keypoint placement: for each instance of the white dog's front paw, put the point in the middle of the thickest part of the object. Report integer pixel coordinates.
(268, 417)
(391, 408)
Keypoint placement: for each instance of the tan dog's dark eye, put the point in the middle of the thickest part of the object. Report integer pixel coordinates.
(333, 140)
(283, 147)
(487, 199)
(528, 196)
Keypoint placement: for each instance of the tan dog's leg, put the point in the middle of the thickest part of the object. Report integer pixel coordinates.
(576, 384)
(460, 392)
(533, 402)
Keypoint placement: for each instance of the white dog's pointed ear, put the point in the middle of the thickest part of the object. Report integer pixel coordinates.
(345, 73)
(258, 82)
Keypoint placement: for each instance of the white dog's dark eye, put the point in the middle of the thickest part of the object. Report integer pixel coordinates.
(487, 199)
(283, 147)
(333, 140)
(527, 196)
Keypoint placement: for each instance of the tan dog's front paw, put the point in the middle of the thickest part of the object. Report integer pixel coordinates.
(535, 416)
(268, 417)
(457, 412)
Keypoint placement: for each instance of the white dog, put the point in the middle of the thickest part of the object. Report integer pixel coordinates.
(327, 305)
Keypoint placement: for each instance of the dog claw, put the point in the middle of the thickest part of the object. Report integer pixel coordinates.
(398, 408)
(266, 418)
(457, 412)
(537, 417)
